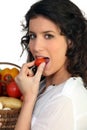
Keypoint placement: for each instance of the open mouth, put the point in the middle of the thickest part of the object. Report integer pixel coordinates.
(46, 59)
(39, 60)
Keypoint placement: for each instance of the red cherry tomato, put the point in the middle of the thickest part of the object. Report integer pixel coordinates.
(39, 61)
(8, 78)
(13, 90)
(3, 86)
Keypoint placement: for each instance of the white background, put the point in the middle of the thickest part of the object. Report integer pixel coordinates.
(11, 14)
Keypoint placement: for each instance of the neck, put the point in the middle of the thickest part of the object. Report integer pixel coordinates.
(57, 78)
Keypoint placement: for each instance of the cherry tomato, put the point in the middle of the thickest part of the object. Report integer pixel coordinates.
(3, 86)
(8, 78)
(13, 90)
(4, 72)
(39, 61)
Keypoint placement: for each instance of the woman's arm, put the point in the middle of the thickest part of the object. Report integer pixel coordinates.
(24, 120)
(29, 86)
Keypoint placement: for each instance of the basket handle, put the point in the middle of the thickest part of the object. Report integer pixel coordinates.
(9, 63)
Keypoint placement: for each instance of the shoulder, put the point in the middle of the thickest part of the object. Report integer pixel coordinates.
(74, 86)
(75, 90)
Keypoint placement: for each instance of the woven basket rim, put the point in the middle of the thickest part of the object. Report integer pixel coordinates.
(10, 63)
(15, 109)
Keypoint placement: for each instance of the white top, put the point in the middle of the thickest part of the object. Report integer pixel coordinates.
(62, 107)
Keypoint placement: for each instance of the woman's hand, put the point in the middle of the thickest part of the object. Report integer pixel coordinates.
(27, 82)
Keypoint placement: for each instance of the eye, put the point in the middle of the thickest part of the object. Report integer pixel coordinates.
(32, 36)
(48, 36)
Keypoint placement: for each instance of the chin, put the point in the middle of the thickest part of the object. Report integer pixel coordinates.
(47, 73)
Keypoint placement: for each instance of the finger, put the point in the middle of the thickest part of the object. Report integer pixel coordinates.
(29, 72)
(25, 68)
(30, 64)
(27, 65)
(40, 71)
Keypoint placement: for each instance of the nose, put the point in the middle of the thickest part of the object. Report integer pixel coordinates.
(38, 45)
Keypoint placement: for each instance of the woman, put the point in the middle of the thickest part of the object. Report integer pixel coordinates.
(57, 32)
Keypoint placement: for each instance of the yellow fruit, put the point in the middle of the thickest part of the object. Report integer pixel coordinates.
(14, 72)
(11, 102)
(4, 72)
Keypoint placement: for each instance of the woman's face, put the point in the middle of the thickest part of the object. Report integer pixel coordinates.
(46, 41)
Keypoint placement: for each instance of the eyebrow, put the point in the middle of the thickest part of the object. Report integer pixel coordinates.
(43, 32)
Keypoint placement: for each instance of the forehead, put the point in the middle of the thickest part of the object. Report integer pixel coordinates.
(41, 22)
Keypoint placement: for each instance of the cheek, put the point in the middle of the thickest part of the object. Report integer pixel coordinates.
(57, 51)
(61, 55)
(31, 48)
(58, 54)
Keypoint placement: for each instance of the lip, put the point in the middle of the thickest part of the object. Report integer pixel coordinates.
(46, 58)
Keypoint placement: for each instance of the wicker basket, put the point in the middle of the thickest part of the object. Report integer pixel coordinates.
(8, 118)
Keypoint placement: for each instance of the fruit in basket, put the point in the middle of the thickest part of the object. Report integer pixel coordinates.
(0, 91)
(9, 106)
(14, 72)
(7, 71)
(8, 78)
(1, 106)
(8, 86)
(10, 102)
(0, 76)
(13, 90)
(3, 90)
(3, 72)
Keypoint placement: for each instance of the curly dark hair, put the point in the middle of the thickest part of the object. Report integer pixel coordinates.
(73, 24)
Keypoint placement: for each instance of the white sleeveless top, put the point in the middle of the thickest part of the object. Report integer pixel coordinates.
(62, 107)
